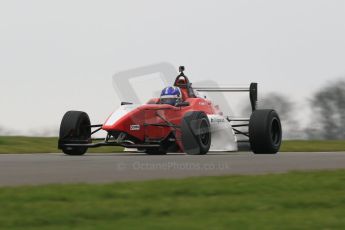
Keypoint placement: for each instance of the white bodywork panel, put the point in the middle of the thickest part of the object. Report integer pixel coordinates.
(223, 137)
(117, 114)
(120, 112)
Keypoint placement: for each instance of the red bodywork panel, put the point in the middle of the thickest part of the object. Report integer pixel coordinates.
(147, 114)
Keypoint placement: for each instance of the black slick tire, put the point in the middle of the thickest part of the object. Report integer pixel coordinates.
(196, 133)
(265, 132)
(74, 128)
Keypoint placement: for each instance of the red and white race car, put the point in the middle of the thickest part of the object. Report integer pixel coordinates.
(179, 121)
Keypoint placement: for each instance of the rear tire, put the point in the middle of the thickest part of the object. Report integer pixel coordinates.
(265, 132)
(196, 133)
(75, 128)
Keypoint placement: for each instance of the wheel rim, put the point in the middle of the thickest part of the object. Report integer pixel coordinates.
(275, 132)
(204, 132)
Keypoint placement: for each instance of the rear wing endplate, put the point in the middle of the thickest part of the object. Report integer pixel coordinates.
(252, 89)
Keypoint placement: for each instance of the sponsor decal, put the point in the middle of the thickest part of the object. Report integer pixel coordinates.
(218, 120)
(134, 127)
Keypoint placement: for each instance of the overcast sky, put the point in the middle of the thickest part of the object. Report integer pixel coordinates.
(61, 55)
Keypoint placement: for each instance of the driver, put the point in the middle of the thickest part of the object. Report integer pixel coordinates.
(171, 95)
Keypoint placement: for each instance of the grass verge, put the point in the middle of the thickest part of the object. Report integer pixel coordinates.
(13, 144)
(296, 200)
(313, 146)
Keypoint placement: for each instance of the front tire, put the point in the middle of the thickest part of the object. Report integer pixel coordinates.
(265, 132)
(196, 133)
(75, 128)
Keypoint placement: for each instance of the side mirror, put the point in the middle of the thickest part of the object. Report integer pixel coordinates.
(184, 103)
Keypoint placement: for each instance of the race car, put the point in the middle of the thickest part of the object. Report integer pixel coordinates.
(181, 120)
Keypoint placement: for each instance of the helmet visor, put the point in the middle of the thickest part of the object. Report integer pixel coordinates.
(169, 101)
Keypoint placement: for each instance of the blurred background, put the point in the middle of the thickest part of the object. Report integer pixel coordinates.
(62, 55)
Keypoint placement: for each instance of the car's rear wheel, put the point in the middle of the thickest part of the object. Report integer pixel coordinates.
(196, 133)
(265, 132)
(74, 129)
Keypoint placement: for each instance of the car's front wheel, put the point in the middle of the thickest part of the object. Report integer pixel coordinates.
(74, 129)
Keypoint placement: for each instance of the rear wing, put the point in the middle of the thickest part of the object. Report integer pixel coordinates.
(252, 89)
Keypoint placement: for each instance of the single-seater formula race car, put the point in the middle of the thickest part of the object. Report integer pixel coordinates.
(180, 120)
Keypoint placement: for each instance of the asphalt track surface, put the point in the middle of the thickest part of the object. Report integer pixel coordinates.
(35, 169)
